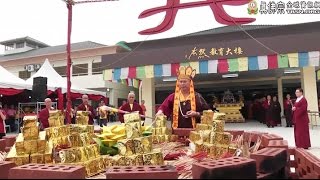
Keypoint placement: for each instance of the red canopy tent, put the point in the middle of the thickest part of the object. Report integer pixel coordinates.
(10, 84)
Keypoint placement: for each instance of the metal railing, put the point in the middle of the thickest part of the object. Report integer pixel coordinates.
(314, 116)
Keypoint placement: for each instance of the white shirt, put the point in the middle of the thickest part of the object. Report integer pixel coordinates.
(299, 98)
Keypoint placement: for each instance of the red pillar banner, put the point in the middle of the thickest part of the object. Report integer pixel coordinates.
(60, 99)
(69, 6)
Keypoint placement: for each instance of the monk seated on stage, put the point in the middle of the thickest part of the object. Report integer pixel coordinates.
(185, 105)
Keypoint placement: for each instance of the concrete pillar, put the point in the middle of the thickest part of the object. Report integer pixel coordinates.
(309, 86)
(90, 68)
(280, 95)
(148, 95)
(112, 98)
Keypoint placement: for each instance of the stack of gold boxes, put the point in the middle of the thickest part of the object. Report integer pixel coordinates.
(74, 145)
(30, 146)
(160, 133)
(210, 136)
(136, 150)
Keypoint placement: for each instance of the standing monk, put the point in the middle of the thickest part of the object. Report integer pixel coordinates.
(276, 110)
(86, 107)
(2, 122)
(301, 121)
(287, 105)
(44, 114)
(185, 105)
(268, 112)
(130, 106)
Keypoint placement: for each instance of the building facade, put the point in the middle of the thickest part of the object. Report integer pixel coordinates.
(277, 59)
(23, 56)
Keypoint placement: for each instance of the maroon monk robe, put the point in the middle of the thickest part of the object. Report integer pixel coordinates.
(301, 124)
(287, 106)
(43, 118)
(126, 107)
(167, 109)
(82, 107)
(269, 116)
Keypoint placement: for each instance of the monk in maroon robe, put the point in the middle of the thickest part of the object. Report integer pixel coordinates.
(268, 112)
(86, 107)
(287, 106)
(130, 106)
(301, 121)
(44, 114)
(184, 122)
(185, 105)
(276, 110)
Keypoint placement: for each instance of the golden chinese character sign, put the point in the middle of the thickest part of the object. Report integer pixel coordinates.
(213, 53)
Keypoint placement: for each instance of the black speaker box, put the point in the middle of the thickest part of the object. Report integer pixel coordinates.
(39, 89)
(40, 80)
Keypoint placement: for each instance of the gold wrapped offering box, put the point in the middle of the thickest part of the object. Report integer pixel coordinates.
(142, 145)
(56, 132)
(153, 158)
(17, 159)
(203, 127)
(132, 117)
(76, 128)
(134, 160)
(208, 113)
(126, 147)
(30, 121)
(77, 154)
(161, 121)
(82, 117)
(218, 126)
(219, 116)
(207, 117)
(56, 118)
(30, 132)
(133, 130)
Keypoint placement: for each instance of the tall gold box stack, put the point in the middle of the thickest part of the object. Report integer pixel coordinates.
(160, 133)
(74, 145)
(31, 145)
(210, 137)
(136, 149)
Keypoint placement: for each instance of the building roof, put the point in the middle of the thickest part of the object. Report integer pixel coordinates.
(22, 39)
(284, 39)
(51, 50)
(214, 31)
(229, 29)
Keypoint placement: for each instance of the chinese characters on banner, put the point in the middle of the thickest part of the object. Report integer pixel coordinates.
(212, 53)
(172, 7)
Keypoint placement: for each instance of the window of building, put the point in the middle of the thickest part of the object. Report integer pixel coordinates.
(24, 75)
(80, 69)
(19, 45)
(97, 68)
(9, 47)
(61, 70)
